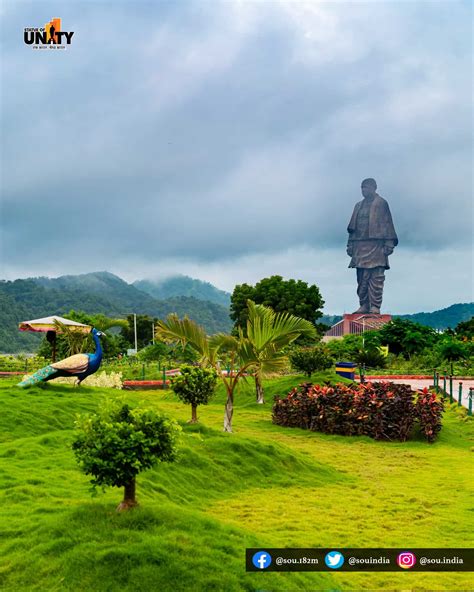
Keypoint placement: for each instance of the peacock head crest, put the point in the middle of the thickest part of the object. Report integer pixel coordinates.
(97, 332)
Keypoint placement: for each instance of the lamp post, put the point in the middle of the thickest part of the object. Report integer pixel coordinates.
(135, 330)
(127, 314)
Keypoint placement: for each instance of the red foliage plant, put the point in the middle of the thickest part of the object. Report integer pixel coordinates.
(429, 410)
(380, 410)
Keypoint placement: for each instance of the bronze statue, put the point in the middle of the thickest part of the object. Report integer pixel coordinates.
(372, 239)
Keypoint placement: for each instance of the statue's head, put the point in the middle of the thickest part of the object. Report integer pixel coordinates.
(368, 187)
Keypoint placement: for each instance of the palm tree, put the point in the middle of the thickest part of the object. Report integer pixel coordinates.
(78, 341)
(259, 353)
(269, 333)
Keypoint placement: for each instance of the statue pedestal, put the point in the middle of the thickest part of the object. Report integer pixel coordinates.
(356, 324)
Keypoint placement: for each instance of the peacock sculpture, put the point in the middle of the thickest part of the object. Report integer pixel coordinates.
(79, 365)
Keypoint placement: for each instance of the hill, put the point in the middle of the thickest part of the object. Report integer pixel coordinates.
(103, 292)
(262, 485)
(99, 292)
(445, 318)
(183, 285)
(115, 295)
(439, 319)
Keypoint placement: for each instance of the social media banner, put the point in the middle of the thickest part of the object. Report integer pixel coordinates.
(357, 559)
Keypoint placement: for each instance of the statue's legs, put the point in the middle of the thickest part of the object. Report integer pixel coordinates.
(370, 289)
(363, 276)
(375, 288)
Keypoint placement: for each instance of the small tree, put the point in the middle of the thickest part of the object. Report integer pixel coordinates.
(153, 353)
(144, 327)
(406, 337)
(260, 353)
(465, 329)
(195, 386)
(294, 297)
(117, 443)
(310, 359)
(453, 350)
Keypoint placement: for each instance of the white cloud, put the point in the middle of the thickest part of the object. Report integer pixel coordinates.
(229, 139)
(416, 281)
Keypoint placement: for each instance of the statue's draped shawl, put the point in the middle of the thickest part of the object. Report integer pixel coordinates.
(380, 221)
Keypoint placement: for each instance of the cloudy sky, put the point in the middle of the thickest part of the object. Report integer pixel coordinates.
(228, 140)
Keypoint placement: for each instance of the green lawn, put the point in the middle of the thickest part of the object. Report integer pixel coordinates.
(262, 486)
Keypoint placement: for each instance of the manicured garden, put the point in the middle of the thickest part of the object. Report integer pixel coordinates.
(262, 485)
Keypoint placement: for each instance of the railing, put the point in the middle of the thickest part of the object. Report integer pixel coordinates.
(336, 330)
(356, 326)
(447, 388)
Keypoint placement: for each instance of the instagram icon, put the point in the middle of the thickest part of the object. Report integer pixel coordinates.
(406, 560)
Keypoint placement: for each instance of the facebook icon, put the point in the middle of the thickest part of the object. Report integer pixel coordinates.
(262, 559)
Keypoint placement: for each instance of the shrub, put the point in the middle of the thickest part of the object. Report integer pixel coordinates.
(310, 359)
(371, 358)
(392, 410)
(155, 352)
(406, 337)
(347, 347)
(117, 443)
(453, 350)
(383, 411)
(194, 386)
(429, 410)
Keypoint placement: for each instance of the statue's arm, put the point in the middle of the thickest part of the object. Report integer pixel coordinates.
(388, 246)
(351, 230)
(392, 242)
(350, 245)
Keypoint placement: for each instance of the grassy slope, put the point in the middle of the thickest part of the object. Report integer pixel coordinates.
(261, 486)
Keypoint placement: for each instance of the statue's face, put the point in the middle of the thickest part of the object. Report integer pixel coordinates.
(368, 190)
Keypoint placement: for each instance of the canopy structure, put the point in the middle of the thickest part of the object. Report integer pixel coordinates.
(48, 324)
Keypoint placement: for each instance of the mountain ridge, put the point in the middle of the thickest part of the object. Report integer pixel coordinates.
(104, 292)
(183, 285)
(96, 292)
(441, 319)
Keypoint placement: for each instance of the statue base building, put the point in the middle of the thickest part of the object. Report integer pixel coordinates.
(356, 324)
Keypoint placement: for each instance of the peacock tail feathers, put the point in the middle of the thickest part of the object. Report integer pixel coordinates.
(39, 376)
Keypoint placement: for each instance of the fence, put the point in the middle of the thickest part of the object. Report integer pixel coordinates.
(447, 388)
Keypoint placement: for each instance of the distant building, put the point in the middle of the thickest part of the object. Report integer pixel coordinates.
(356, 324)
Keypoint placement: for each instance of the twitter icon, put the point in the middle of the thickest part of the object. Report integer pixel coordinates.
(334, 559)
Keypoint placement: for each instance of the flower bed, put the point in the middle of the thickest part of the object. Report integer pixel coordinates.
(381, 410)
(141, 385)
(102, 379)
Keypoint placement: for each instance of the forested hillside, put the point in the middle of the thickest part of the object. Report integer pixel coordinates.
(99, 292)
(103, 292)
(444, 318)
(182, 285)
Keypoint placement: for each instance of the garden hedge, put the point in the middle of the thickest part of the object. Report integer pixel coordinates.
(381, 410)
